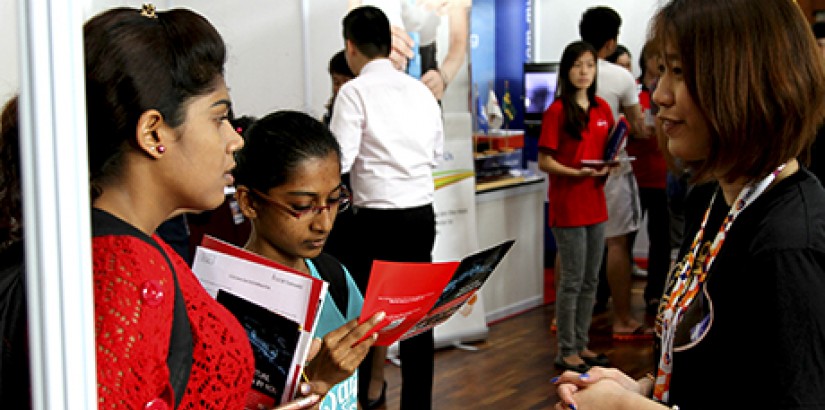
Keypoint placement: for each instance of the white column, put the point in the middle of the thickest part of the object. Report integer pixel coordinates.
(56, 204)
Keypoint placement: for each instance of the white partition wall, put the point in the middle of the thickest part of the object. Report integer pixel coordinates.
(556, 24)
(56, 205)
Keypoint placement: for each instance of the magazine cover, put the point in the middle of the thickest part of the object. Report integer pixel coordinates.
(229, 273)
(274, 340)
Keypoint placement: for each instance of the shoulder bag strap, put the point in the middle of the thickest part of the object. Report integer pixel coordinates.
(179, 359)
(331, 271)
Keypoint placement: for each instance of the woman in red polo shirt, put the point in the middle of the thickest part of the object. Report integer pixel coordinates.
(575, 129)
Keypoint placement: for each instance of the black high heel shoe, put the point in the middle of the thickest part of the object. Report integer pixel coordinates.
(374, 404)
(578, 368)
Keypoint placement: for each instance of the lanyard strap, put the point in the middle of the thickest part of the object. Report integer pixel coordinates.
(687, 277)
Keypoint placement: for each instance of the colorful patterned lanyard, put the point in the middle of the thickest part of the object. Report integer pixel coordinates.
(686, 280)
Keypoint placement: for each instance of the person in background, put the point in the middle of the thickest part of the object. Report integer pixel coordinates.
(15, 388)
(288, 182)
(745, 301)
(599, 26)
(226, 222)
(159, 143)
(339, 243)
(621, 57)
(390, 130)
(575, 128)
(424, 17)
(339, 73)
(819, 33)
(650, 170)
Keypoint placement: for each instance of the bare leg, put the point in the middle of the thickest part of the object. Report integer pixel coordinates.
(618, 276)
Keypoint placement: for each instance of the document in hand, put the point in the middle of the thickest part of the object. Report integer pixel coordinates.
(277, 306)
(615, 141)
(418, 296)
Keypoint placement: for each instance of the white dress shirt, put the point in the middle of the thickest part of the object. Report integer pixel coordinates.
(390, 130)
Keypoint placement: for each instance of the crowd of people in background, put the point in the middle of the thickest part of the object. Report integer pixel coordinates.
(717, 168)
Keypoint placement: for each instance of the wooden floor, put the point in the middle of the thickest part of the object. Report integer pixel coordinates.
(512, 368)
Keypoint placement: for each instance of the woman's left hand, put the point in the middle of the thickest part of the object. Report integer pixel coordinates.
(341, 353)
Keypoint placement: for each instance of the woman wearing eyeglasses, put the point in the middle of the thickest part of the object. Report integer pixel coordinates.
(288, 179)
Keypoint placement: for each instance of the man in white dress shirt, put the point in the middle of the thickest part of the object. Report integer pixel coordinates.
(390, 130)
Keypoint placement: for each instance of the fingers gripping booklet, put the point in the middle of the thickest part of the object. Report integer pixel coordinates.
(277, 306)
(418, 296)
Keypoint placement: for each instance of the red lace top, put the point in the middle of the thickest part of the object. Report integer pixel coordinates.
(134, 292)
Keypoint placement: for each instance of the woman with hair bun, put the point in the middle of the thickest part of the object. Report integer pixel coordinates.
(160, 143)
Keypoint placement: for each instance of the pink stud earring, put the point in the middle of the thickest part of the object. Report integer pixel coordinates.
(161, 149)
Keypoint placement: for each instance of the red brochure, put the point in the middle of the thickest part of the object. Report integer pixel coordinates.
(418, 296)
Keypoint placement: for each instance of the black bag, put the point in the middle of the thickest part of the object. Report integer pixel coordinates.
(332, 271)
(15, 389)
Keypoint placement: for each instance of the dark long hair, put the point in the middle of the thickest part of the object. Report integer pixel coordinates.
(277, 144)
(575, 118)
(136, 63)
(649, 49)
(11, 212)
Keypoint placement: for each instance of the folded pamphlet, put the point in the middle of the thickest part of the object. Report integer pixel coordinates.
(418, 296)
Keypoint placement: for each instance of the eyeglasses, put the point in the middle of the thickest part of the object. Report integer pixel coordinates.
(338, 205)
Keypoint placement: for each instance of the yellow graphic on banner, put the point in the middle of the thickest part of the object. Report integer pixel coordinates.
(447, 178)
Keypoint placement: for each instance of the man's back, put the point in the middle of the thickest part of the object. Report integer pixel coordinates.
(390, 130)
(616, 86)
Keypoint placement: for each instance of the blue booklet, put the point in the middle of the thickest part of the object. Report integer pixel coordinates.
(615, 141)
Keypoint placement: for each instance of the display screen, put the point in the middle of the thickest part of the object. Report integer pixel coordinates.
(539, 89)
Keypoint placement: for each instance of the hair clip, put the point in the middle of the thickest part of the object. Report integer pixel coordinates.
(148, 11)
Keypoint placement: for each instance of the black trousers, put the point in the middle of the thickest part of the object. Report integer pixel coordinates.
(654, 204)
(401, 235)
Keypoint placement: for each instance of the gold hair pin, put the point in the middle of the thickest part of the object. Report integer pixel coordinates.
(148, 11)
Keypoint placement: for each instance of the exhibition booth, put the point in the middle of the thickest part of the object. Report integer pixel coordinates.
(278, 54)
